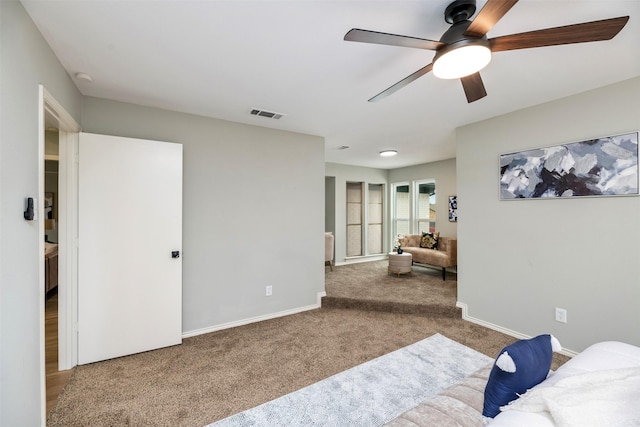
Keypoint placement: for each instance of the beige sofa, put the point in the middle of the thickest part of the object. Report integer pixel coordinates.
(445, 256)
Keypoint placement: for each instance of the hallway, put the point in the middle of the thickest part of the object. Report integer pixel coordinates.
(56, 380)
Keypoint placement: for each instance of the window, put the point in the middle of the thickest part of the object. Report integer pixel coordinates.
(365, 219)
(426, 206)
(374, 215)
(354, 219)
(401, 210)
(414, 207)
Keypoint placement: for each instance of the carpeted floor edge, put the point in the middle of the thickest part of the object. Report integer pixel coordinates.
(431, 310)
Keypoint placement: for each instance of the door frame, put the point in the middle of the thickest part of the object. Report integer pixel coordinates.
(67, 238)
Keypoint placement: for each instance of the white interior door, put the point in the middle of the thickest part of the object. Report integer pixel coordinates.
(129, 223)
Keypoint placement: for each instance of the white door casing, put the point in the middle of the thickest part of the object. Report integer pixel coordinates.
(52, 113)
(130, 221)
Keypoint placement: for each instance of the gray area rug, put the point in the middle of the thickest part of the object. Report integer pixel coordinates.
(370, 394)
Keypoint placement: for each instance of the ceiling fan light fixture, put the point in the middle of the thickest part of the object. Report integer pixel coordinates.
(461, 59)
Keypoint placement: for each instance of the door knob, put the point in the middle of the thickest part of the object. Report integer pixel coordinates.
(175, 254)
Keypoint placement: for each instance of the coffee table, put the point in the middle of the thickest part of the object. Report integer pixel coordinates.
(400, 263)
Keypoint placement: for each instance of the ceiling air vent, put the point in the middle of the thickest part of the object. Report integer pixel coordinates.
(267, 114)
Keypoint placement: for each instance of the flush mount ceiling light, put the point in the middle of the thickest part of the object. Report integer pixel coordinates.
(388, 153)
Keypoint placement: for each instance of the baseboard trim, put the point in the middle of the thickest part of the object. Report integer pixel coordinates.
(262, 318)
(506, 331)
(359, 259)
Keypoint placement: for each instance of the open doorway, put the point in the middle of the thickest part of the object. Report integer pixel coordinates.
(55, 378)
(58, 136)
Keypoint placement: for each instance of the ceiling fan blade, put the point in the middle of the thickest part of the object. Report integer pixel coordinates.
(402, 83)
(473, 87)
(366, 36)
(490, 14)
(568, 34)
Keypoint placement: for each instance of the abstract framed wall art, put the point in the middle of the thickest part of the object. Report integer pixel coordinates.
(597, 167)
(453, 208)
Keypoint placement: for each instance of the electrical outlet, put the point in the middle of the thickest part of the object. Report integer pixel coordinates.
(269, 291)
(561, 315)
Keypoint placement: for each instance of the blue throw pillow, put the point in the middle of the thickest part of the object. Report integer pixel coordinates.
(519, 367)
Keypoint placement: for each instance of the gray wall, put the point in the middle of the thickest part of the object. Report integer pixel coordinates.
(330, 204)
(444, 172)
(26, 61)
(518, 260)
(342, 175)
(252, 217)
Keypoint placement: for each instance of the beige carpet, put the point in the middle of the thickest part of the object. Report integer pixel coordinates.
(212, 376)
(367, 286)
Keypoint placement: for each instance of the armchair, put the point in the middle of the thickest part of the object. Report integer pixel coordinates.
(328, 249)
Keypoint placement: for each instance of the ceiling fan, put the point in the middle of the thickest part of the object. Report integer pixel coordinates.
(463, 50)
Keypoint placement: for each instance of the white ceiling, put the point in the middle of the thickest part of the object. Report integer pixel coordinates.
(221, 58)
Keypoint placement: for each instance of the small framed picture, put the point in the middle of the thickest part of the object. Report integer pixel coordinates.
(453, 208)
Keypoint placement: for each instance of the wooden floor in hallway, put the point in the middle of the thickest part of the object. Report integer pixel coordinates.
(56, 380)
